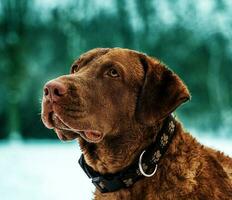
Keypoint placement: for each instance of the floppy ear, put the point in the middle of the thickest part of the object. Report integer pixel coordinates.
(162, 92)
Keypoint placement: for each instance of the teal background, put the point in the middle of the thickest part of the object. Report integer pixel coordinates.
(40, 39)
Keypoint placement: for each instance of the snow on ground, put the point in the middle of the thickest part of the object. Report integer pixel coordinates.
(42, 171)
(49, 170)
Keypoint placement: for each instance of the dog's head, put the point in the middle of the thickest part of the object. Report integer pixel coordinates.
(108, 89)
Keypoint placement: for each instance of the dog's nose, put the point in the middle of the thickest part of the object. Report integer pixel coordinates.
(54, 90)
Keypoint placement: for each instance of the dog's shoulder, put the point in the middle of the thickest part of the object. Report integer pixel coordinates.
(196, 170)
(224, 161)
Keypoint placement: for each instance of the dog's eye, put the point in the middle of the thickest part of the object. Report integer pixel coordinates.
(113, 73)
(74, 68)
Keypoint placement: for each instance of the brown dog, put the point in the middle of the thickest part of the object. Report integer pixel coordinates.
(116, 101)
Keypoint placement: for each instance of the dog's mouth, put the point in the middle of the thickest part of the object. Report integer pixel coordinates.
(66, 133)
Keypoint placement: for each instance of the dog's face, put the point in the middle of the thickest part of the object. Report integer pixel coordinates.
(107, 91)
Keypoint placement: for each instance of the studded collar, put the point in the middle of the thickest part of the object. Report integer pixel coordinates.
(146, 166)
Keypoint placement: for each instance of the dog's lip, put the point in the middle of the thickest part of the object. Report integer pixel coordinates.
(65, 132)
(47, 119)
(93, 136)
(65, 135)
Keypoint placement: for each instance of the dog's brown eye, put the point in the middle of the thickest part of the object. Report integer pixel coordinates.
(113, 73)
(74, 68)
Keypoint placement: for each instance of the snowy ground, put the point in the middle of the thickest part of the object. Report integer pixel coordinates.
(49, 170)
(42, 171)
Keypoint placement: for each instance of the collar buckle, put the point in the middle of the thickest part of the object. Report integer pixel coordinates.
(141, 167)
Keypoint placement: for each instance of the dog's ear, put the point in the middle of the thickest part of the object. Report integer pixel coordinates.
(162, 92)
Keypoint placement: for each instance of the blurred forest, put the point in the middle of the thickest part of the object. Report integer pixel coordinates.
(39, 40)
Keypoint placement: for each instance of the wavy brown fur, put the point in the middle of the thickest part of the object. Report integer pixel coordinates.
(129, 111)
(187, 171)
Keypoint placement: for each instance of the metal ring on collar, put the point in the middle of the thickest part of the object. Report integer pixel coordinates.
(141, 167)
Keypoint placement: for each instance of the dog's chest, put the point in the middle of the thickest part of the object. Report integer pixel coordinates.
(125, 195)
(121, 195)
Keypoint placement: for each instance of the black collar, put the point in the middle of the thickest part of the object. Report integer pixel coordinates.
(145, 167)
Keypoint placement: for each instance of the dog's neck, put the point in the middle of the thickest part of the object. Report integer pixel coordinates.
(117, 152)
